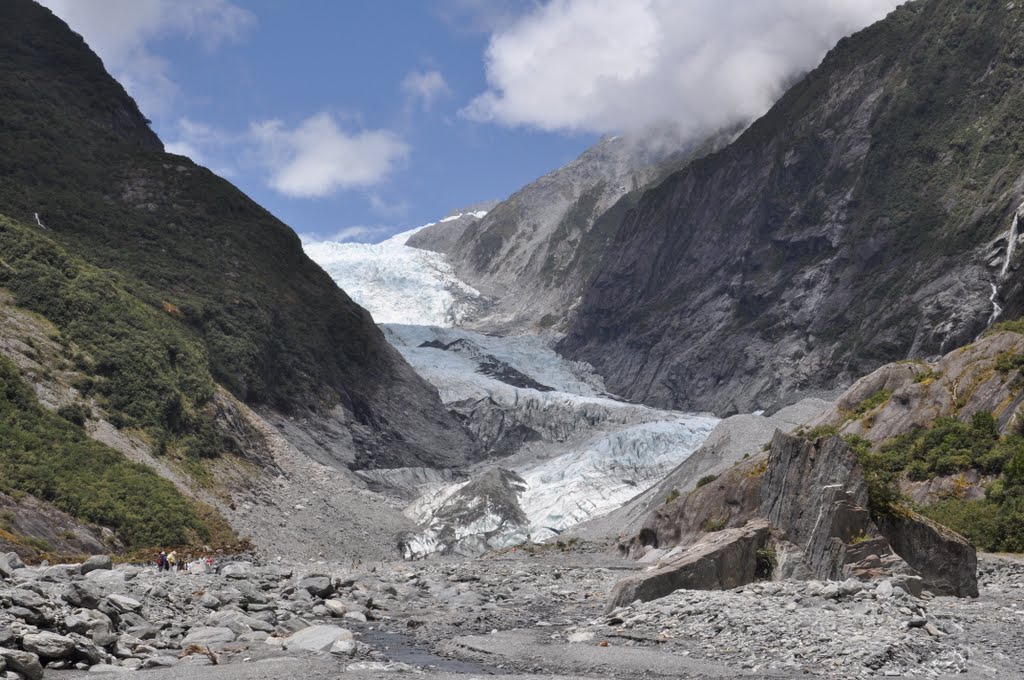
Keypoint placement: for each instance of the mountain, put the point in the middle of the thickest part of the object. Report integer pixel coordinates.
(533, 254)
(156, 325)
(868, 216)
(227, 294)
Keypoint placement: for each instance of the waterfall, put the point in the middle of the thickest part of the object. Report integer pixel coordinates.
(996, 309)
(36, 215)
(1011, 242)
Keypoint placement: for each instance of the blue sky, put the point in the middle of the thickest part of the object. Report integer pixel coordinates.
(356, 119)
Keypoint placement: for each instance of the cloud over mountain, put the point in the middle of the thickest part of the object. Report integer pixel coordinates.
(605, 65)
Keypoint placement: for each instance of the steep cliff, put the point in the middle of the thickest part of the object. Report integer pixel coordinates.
(866, 217)
(533, 254)
(194, 282)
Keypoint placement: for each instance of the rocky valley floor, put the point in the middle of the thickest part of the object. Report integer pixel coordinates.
(537, 612)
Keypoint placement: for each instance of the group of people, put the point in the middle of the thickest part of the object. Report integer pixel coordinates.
(170, 562)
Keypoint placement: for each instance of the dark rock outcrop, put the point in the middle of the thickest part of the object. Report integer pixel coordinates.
(862, 220)
(724, 560)
(948, 565)
(814, 498)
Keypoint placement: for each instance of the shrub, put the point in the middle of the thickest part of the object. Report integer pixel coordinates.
(820, 431)
(672, 496)
(44, 455)
(705, 480)
(75, 413)
(712, 524)
(873, 402)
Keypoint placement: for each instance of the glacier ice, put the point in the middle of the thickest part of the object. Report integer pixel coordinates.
(395, 282)
(568, 450)
(594, 454)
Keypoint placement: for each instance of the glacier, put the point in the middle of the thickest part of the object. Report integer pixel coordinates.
(396, 283)
(558, 449)
(591, 452)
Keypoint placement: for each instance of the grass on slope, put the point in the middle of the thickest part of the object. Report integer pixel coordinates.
(54, 460)
(995, 523)
(148, 371)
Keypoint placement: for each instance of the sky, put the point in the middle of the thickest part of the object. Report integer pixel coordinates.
(357, 119)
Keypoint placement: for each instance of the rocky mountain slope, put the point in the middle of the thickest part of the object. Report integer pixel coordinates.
(145, 306)
(867, 217)
(82, 169)
(533, 253)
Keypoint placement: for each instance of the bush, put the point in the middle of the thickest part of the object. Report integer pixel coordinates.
(713, 524)
(873, 402)
(706, 479)
(44, 455)
(672, 496)
(75, 413)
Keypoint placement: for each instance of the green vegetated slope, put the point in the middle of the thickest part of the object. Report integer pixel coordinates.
(241, 304)
(851, 225)
(44, 455)
(945, 438)
(994, 523)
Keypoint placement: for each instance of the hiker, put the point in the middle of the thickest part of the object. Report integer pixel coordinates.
(161, 561)
(172, 561)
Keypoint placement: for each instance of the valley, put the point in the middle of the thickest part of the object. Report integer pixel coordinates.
(744, 399)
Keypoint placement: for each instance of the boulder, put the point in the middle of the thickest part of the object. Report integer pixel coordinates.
(947, 563)
(208, 635)
(238, 570)
(96, 562)
(25, 663)
(82, 594)
(320, 586)
(319, 638)
(9, 563)
(48, 645)
(123, 603)
(337, 608)
(815, 494)
(721, 560)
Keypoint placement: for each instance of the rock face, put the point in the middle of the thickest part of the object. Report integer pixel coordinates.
(814, 498)
(732, 439)
(957, 385)
(945, 561)
(724, 560)
(842, 230)
(533, 253)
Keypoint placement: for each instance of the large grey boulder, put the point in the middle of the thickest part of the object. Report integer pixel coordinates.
(48, 645)
(721, 560)
(96, 562)
(319, 638)
(237, 570)
(208, 635)
(320, 586)
(948, 564)
(815, 498)
(22, 662)
(9, 563)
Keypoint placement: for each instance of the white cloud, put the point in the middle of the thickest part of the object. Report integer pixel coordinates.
(424, 87)
(607, 65)
(119, 31)
(318, 158)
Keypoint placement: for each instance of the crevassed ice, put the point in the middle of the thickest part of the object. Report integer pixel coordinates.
(395, 282)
